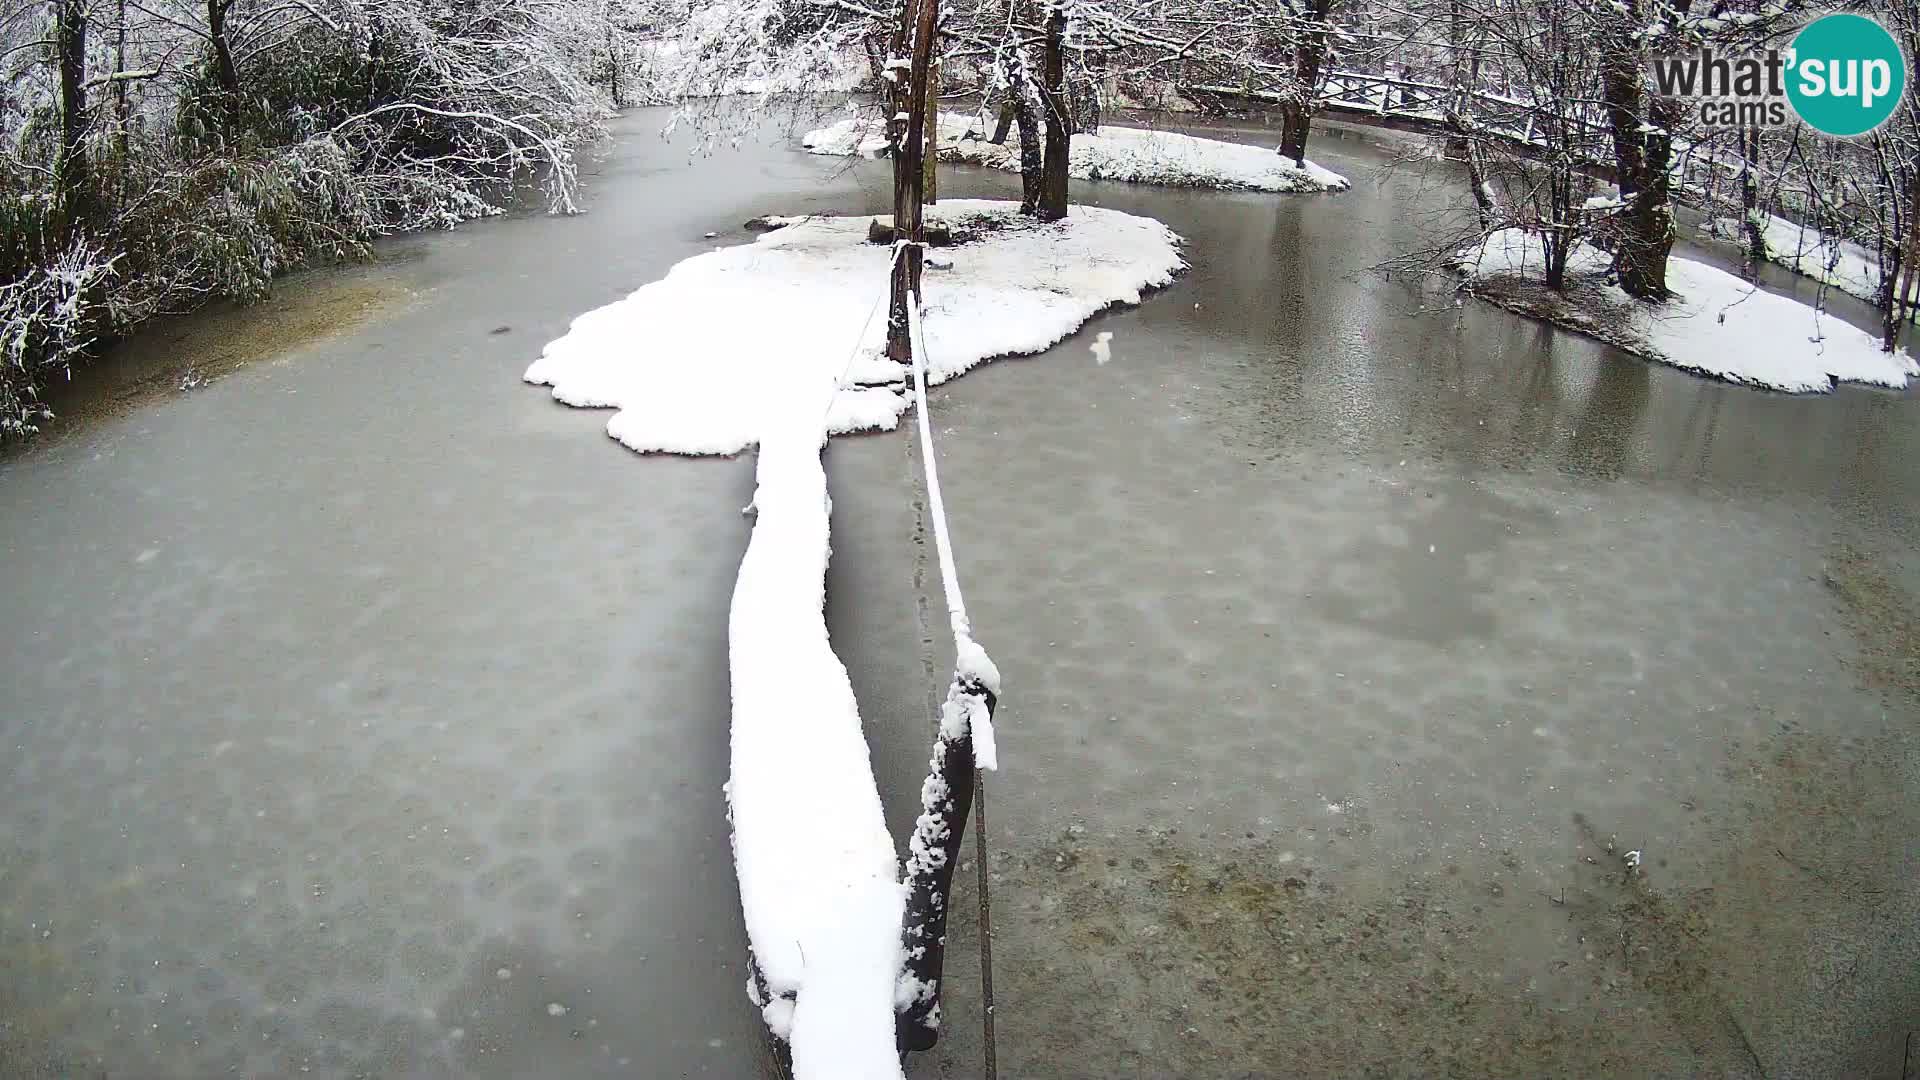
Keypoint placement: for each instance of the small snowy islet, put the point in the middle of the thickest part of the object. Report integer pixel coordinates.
(701, 361)
(1134, 155)
(1715, 324)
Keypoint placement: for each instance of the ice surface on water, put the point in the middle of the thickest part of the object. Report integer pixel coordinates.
(1294, 691)
(1628, 557)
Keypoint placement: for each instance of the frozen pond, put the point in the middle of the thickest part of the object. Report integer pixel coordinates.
(365, 712)
(1341, 642)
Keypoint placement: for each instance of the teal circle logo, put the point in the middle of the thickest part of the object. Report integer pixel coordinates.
(1847, 75)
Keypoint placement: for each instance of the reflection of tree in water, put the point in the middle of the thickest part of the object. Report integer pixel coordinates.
(1696, 433)
(1400, 588)
(1609, 421)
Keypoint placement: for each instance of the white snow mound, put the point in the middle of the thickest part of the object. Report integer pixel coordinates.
(705, 359)
(1136, 155)
(1715, 324)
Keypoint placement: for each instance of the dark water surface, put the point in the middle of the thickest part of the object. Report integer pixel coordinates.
(365, 712)
(1350, 647)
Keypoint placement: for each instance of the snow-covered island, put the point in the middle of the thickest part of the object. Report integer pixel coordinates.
(1134, 155)
(1715, 324)
(731, 341)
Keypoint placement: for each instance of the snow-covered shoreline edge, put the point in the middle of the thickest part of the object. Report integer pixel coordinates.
(1806, 251)
(1717, 325)
(1129, 154)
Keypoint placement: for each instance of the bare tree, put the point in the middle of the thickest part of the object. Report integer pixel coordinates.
(1022, 108)
(919, 20)
(1895, 152)
(73, 176)
(1528, 158)
(1059, 150)
(1642, 123)
(1309, 52)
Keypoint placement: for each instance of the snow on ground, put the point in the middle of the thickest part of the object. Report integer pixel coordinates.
(773, 343)
(1716, 324)
(1843, 264)
(701, 361)
(1136, 155)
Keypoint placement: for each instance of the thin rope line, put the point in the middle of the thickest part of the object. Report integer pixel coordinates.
(962, 636)
(833, 392)
(943, 544)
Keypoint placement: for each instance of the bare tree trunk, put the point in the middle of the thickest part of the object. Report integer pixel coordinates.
(1296, 117)
(1023, 100)
(1903, 274)
(1647, 236)
(71, 175)
(225, 75)
(121, 117)
(909, 183)
(1643, 150)
(1293, 140)
(615, 60)
(1483, 203)
(1620, 96)
(1750, 197)
(1899, 285)
(1053, 189)
(931, 151)
(1556, 252)
(1465, 78)
(898, 83)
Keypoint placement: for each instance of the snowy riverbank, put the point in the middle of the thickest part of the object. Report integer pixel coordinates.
(1807, 251)
(778, 343)
(1716, 324)
(1135, 155)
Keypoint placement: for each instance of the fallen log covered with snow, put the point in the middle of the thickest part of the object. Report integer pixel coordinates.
(819, 886)
(1134, 155)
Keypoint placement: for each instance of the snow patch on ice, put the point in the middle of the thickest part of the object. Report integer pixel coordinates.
(1136, 155)
(1715, 323)
(703, 360)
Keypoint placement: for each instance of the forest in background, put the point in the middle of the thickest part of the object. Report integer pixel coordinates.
(157, 154)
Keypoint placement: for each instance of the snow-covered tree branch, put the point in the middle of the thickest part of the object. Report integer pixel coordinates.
(199, 147)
